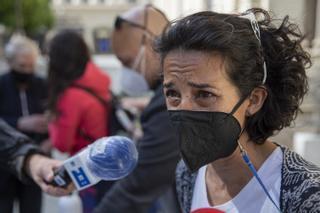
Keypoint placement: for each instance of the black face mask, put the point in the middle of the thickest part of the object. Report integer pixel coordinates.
(205, 136)
(20, 77)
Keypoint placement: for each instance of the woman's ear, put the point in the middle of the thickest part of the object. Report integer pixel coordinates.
(256, 100)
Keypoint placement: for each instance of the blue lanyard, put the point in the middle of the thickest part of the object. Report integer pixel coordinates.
(255, 174)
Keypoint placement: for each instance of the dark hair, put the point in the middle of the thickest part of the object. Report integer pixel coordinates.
(68, 56)
(234, 38)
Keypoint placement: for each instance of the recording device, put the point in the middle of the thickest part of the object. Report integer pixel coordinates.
(108, 158)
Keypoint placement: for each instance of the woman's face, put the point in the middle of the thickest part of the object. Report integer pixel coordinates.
(198, 81)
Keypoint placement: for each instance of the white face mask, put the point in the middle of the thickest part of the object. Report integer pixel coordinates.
(140, 60)
(133, 83)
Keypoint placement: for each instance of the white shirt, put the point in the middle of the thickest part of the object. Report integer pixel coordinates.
(252, 198)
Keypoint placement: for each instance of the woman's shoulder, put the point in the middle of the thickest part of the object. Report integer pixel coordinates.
(295, 165)
(77, 99)
(72, 94)
(300, 187)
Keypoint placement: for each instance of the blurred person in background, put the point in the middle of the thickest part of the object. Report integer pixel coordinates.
(22, 98)
(150, 187)
(78, 117)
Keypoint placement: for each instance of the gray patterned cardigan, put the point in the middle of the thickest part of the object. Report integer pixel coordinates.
(299, 192)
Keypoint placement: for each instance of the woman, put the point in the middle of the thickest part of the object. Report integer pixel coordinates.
(78, 113)
(230, 83)
(75, 82)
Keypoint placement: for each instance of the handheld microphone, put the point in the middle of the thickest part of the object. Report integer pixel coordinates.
(108, 158)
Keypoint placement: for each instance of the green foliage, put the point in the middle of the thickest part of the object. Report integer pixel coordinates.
(36, 15)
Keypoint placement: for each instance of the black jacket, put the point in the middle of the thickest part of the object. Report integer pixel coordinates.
(14, 148)
(10, 107)
(154, 174)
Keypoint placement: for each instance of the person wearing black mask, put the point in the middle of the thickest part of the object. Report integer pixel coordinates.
(22, 98)
(231, 81)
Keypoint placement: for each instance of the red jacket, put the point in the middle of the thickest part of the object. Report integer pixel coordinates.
(78, 110)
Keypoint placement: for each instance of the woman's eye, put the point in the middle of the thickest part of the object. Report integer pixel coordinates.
(204, 94)
(172, 94)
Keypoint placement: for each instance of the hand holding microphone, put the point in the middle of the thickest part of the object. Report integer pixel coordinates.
(108, 158)
(40, 168)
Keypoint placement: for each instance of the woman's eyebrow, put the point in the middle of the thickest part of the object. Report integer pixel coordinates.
(168, 84)
(199, 85)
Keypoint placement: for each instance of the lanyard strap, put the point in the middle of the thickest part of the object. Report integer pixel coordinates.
(247, 160)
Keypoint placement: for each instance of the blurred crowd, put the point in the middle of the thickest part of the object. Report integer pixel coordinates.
(73, 105)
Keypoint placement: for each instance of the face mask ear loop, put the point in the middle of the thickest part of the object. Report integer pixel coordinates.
(143, 61)
(137, 61)
(247, 160)
(236, 107)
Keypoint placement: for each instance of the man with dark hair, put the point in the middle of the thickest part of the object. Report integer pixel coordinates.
(151, 184)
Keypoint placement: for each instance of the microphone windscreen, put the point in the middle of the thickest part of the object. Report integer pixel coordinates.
(112, 158)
